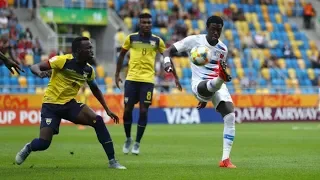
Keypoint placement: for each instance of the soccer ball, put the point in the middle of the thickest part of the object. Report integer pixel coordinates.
(200, 55)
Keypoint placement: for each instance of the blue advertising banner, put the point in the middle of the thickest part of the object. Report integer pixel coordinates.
(180, 116)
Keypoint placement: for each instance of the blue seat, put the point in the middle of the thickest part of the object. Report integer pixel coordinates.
(31, 81)
(14, 90)
(23, 90)
(256, 64)
(14, 81)
(188, 5)
(134, 22)
(45, 81)
(100, 81)
(185, 72)
(117, 90)
(185, 82)
(194, 24)
(233, 72)
(263, 82)
(38, 81)
(156, 31)
(273, 73)
(31, 90)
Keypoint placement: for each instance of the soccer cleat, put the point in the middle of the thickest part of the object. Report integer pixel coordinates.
(227, 164)
(23, 154)
(126, 146)
(223, 74)
(115, 165)
(136, 148)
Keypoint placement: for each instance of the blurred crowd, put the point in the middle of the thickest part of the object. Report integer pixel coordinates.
(17, 42)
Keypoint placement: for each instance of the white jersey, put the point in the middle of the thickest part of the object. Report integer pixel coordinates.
(218, 52)
(209, 71)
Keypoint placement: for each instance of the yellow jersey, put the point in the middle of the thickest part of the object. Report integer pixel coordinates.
(66, 79)
(143, 51)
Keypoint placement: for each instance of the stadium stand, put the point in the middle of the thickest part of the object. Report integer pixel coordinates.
(261, 41)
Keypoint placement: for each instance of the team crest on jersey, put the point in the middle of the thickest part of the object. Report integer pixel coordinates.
(48, 120)
(217, 54)
(126, 99)
(153, 43)
(85, 74)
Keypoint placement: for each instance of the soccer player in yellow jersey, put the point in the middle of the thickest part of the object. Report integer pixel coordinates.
(139, 84)
(69, 73)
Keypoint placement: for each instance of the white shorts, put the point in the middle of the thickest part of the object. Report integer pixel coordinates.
(221, 95)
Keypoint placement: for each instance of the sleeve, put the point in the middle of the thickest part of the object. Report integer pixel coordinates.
(57, 62)
(162, 46)
(127, 43)
(93, 75)
(224, 54)
(184, 44)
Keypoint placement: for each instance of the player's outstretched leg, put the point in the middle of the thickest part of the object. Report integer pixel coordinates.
(142, 123)
(206, 88)
(38, 144)
(88, 117)
(227, 111)
(127, 124)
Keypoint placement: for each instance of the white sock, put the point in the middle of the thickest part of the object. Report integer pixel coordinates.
(215, 84)
(228, 134)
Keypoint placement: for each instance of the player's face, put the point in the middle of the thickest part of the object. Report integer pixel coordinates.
(85, 53)
(145, 25)
(214, 31)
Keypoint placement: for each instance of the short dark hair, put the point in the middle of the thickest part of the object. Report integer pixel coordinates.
(76, 43)
(214, 19)
(145, 15)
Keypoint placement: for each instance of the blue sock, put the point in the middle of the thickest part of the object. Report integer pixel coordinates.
(127, 123)
(142, 123)
(104, 137)
(39, 144)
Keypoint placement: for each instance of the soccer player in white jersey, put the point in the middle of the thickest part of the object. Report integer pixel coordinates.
(208, 81)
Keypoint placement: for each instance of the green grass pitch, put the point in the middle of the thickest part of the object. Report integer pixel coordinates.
(261, 151)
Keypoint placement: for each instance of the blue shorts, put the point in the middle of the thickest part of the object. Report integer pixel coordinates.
(135, 92)
(51, 114)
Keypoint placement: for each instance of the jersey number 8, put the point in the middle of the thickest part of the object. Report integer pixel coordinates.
(144, 51)
(149, 95)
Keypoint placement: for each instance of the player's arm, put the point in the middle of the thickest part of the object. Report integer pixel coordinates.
(180, 46)
(99, 96)
(168, 65)
(123, 52)
(43, 69)
(10, 64)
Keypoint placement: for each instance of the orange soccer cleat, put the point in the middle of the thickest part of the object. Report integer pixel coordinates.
(223, 74)
(227, 164)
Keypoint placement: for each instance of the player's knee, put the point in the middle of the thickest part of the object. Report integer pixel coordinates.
(128, 108)
(127, 116)
(98, 121)
(203, 90)
(225, 108)
(143, 116)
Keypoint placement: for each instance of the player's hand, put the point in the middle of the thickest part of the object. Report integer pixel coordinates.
(11, 64)
(44, 74)
(178, 85)
(118, 79)
(201, 105)
(168, 67)
(113, 116)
